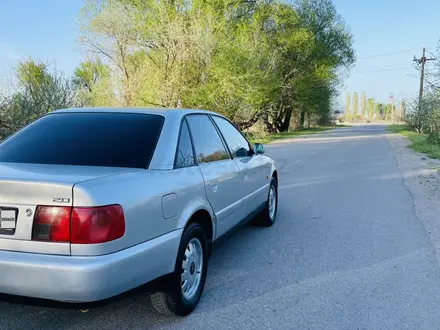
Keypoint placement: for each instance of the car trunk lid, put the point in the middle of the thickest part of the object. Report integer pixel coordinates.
(25, 186)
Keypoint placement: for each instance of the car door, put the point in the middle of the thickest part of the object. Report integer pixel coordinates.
(255, 168)
(223, 180)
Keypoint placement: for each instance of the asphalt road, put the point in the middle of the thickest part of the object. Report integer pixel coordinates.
(346, 252)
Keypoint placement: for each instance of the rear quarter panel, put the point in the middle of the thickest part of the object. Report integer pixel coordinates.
(155, 202)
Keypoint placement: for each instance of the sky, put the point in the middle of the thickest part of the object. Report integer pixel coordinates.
(401, 27)
(42, 29)
(387, 35)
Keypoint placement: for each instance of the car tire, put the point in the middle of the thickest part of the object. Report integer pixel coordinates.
(192, 259)
(269, 214)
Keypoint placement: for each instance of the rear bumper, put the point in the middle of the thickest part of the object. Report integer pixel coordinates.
(87, 279)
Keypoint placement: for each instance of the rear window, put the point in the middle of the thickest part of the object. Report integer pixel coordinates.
(89, 139)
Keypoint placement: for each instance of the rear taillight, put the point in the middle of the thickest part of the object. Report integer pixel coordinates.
(78, 225)
(52, 223)
(97, 224)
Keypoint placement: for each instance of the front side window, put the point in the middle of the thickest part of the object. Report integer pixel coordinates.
(237, 144)
(207, 142)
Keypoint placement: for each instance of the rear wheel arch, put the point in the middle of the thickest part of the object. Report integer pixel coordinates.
(203, 218)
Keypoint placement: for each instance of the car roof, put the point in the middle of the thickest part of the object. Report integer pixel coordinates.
(166, 112)
(162, 159)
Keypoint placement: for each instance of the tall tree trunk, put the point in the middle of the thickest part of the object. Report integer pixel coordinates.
(302, 117)
(242, 125)
(269, 126)
(296, 120)
(286, 121)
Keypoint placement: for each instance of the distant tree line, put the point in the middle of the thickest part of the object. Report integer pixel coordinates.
(370, 108)
(260, 60)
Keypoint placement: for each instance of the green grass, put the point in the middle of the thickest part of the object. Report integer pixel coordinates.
(419, 142)
(292, 134)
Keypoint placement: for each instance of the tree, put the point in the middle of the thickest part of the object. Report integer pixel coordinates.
(364, 104)
(402, 109)
(332, 45)
(92, 79)
(38, 92)
(250, 60)
(88, 74)
(371, 108)
(355, 104)
(107, 30)
(271, 61)
(347, 105)
(385, 110)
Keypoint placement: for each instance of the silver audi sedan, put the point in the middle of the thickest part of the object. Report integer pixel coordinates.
(96, 201)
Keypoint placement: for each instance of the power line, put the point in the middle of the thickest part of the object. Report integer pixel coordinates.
(413, 76)
(379, 67)
(383, 70)
(430, 53)
(389, 54)
(386, 54)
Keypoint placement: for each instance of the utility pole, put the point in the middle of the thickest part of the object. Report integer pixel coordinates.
(422, 61)
(392, 106)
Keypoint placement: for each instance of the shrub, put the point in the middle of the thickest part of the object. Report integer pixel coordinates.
(418, 116)
(257, 132)
(434, 138)
(326, 119)
(425, 117)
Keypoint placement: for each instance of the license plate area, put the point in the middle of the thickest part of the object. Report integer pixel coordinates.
(8, 220)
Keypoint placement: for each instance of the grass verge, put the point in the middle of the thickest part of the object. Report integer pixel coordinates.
(292, 134)
(419, 142)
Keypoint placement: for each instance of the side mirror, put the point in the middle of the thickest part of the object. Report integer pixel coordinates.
(259, 148)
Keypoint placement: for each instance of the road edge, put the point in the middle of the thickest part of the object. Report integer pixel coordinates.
(420, 177)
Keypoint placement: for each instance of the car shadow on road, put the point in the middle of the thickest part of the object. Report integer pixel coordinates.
(132, 309)
(247, 263)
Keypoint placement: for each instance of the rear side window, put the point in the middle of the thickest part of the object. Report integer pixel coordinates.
(207, 142)
(88, 139)
(185, 155)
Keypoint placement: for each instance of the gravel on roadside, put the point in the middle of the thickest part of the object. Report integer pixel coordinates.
(420, 175)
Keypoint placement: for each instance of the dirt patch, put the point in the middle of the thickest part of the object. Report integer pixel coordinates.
(420, 176)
